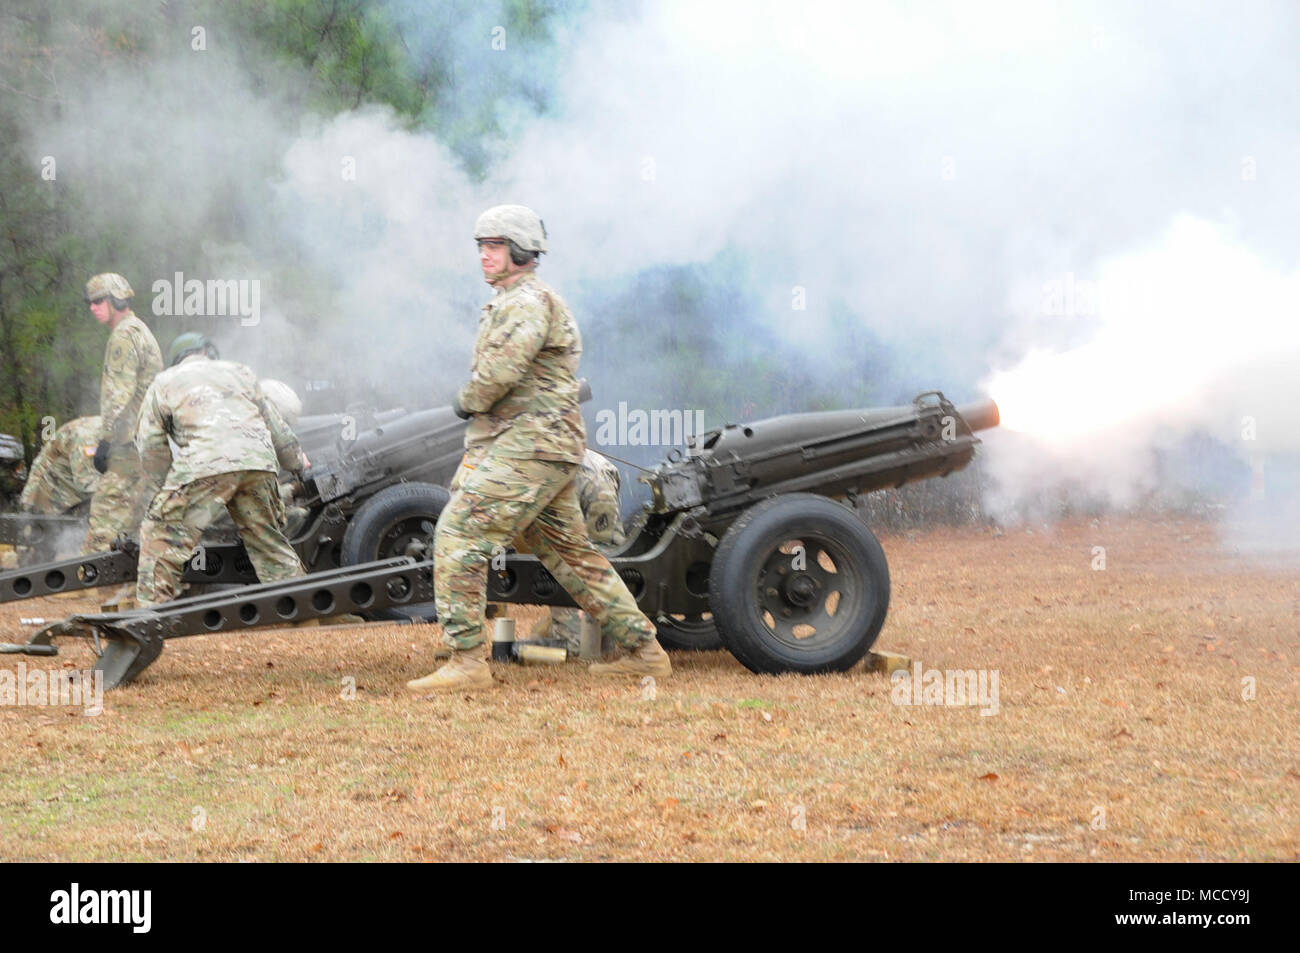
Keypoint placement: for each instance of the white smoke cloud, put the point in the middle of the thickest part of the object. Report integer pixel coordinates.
(1194, 333)
(1194, 330)
(920, 173)
(382, 212)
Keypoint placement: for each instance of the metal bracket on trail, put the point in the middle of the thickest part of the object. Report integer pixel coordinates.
(121, 653)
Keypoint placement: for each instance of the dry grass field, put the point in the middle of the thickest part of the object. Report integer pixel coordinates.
(1126, 730)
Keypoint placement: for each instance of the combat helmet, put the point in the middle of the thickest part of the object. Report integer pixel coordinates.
(189, 343)
(517, 223)
(11, 449)
(108, 285)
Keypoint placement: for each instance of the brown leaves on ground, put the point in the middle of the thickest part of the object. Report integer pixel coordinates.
(1123, 732)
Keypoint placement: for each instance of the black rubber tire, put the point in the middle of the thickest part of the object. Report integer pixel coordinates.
(381, 528)
(690, 633)
(749, 565)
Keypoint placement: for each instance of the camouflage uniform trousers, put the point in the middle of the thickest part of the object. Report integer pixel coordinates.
(177, 519)
(500, 499)
(119, 500)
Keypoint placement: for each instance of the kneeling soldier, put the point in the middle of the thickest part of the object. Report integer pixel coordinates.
(63, 473)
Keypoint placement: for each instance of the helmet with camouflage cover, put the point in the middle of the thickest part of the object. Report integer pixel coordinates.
(11, 449)
(108, 285)
(518, 223)
(13, 467)
(189, 343)
(286, 401)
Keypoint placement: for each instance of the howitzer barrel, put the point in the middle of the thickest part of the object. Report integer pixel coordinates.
(980, 415)
(831, 453)
(426, 445)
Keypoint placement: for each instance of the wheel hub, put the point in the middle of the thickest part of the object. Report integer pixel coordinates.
(796, 599)
(800, 590)
(411, 537)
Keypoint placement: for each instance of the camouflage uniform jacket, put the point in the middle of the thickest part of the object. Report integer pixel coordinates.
(216, 417)
(131, 362)
(64, 471)
(523, 387)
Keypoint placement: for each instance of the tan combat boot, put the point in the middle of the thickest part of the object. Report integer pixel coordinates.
(466, 672)
(648, 658)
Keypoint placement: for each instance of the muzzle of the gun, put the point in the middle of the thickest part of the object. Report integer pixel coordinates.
(980, 415)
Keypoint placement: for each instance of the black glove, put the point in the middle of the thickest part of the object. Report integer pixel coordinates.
(101, 457)
(458, 410)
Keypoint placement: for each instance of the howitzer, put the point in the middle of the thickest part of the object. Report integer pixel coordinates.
(371, 493)
(763, 560)
(744, 544)
(44, 536)
(36, 530)
(354, 475)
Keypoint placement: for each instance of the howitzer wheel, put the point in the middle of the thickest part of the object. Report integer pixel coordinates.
(799, 584)
(397, 521)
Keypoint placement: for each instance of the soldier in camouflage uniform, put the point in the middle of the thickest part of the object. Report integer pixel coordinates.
(13, 470)
(131, 361)
(523, 449)
(64, 474)
(598, 487)
(230, 445)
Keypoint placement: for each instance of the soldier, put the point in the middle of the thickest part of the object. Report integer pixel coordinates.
(64, 474)
(523, 448)
(230, 444)
(13, 470)
(598, 487)
(131, 361)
